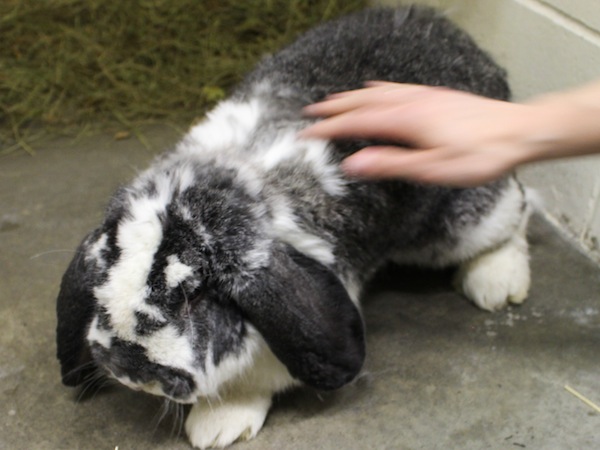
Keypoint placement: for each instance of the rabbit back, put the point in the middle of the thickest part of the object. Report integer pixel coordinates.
(409, 45)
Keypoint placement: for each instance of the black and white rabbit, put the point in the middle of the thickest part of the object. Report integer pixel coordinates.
(232, 268)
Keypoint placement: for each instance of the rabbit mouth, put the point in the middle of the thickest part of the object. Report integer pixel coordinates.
(178, 389)
(128, 364)
(157, 388)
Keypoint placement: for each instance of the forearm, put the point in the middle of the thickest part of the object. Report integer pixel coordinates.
(563, 124)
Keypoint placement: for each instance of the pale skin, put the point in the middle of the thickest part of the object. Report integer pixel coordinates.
(456, 138)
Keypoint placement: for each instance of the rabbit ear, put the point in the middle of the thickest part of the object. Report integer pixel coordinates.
(74, 310)
(307, 318)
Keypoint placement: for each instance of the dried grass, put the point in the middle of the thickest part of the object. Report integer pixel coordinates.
(70, 66)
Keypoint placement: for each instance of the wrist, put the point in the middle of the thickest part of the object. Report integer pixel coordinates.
(564, 124)
(561, 125)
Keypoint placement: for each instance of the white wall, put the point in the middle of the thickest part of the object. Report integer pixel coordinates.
(545, 45)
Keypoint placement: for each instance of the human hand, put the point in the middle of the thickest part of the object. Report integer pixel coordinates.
(455, 138)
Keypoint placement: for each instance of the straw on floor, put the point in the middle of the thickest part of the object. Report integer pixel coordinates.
(70, 66)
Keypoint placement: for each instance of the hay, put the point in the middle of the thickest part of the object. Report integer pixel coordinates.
(585, 400)
(67, 66)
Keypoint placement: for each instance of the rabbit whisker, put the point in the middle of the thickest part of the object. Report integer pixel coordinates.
(49, 252)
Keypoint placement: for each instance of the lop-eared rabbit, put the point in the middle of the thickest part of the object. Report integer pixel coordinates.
(232, 268)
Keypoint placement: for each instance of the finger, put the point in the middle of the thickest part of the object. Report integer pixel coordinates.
(442, 175)
(383, 93)
(432, 166)
(390, 84)
(364, 123)
(341, 102)
(387, 162)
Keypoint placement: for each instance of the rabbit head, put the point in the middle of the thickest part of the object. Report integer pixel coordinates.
(178, 289)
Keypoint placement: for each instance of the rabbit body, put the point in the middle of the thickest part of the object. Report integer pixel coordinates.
(232, 268)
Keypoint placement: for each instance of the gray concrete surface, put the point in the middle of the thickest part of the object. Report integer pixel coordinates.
(440, 374)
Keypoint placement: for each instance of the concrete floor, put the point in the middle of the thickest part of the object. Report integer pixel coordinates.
(440, 374)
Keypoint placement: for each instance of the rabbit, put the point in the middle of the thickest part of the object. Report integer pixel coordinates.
(232, 268)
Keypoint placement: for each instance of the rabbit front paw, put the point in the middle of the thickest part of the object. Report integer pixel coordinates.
(498, 277)
(222, 423)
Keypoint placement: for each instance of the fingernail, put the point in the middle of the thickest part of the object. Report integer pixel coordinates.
(376, 83)
(308, 110)
(314, 109)
(360, 163)
(306, 133)
(352, 166)
(302, 134)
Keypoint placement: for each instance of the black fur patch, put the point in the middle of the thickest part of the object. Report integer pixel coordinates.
(307, 318)
(146, 325)
(104, 321)
(74, 309)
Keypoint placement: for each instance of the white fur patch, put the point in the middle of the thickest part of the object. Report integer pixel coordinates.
(167, 176)
(184, 177)
(353, 287)
(169, 348)
(185, 212)
(98, 336)
(259, 256)
(227, 126)
(313, 153)
(286, 229)
(95, 251)
(498, 277)
(284, 148)
(244, 398)
(505, 220)
(328, 174)
(138, 238)
(254, 368)
(250, 178)
(221, 424)
(229, 368)
(266, 372)
(499, 225)
(176, 271)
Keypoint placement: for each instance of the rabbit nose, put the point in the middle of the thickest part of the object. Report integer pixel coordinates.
(179, 386)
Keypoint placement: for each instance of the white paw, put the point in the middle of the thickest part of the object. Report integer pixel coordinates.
(496, 278)
(221, 423)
